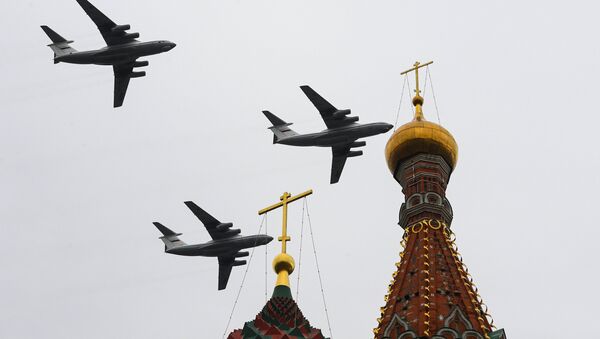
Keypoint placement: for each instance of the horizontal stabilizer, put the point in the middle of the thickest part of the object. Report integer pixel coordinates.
(55, 37)
(275, 120)
(60, 46)
(170, 238)
(165, 230)
(280, 128)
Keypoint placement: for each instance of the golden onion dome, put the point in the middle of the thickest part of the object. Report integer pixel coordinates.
(420, 136)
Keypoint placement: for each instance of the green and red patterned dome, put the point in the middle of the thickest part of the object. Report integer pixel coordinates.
(279, 319)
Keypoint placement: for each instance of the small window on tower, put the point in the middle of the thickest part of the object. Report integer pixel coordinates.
(414, 200)
(433, 198)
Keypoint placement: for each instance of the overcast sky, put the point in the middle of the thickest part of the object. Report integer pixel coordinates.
(81, 182)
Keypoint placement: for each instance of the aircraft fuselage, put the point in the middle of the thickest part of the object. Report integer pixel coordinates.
(223, 247)
(117, 54)
(336, 136)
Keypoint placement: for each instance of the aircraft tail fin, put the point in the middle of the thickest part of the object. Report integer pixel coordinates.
(280, 128)
(170, 238)
(60, 46)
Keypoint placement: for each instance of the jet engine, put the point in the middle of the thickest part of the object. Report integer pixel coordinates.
(137, 74)
(233, 232)
(121, 28)
(351, 119)
(224, 226)
(358, 144)
(354, 154)
(128, 36)
(242, 254)
(341, 113)
(141, 64)
(238, 263)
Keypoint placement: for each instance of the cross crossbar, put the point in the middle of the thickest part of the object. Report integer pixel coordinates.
(286, 199)
(416, 67)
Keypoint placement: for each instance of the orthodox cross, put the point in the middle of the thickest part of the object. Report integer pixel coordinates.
(286, 199)
(416, 67)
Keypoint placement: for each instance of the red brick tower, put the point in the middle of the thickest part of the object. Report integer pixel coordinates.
(432, 294)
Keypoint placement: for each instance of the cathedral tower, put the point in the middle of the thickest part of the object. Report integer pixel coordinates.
(432, 294)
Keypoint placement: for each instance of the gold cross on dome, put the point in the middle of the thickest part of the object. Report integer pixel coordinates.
(416, 67)
(286, 199)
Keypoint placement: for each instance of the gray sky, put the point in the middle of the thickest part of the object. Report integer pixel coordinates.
(81, 182)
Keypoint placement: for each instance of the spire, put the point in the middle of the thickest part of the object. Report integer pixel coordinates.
(281, 317)
(431, 294)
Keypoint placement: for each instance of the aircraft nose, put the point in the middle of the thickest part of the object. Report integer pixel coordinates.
(169, 46)
(268, 239)
(388, 127)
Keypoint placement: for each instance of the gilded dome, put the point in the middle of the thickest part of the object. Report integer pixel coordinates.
(420, 136)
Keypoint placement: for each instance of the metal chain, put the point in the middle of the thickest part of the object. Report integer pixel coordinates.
(437, 111)
(266, 257)
(409, 90)
(300, 253)
(299, 263)
(401, 98)
(426, 76)
(312, 238)
(243, 279)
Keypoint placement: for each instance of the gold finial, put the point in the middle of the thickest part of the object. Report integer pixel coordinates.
(283, 264)
(418, 99)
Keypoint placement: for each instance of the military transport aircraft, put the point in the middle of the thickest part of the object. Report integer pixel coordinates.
(121, 52)
(226, 243)
(341, 133)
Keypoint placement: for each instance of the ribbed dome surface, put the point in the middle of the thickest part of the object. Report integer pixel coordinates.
(420, 136)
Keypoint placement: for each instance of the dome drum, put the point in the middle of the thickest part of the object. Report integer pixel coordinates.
(424, 178)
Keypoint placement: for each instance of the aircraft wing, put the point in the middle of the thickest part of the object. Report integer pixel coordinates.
(215, 228)
(122, 77)
(226, 263)
(340, 154)
(225, 266)
(329, 113)
(112, 33)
